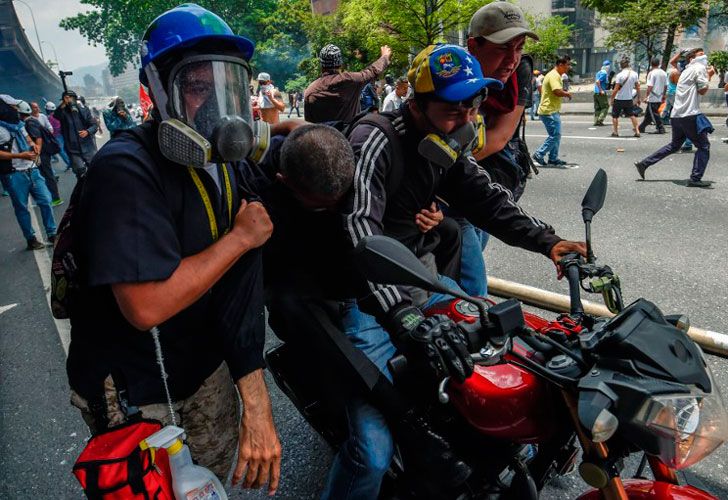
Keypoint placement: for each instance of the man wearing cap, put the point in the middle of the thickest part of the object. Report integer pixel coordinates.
(335, 95)
(78, 127)
(269, 101)
(433, 155)
(601, 100)
(20, 174)
(496, 37)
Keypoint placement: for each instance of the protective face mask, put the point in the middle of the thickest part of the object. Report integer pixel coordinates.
(701, 60)
(211, 135)
(444, 149)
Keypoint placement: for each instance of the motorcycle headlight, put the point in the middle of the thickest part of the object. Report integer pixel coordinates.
(689, 426)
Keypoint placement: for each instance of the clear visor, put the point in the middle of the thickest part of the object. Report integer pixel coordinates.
(204, 91)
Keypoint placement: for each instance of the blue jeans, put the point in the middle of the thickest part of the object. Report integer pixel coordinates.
(683, 128)
(473, 274)
(63, 153)
(364, 458)
(20, 186)
(551, 145)
(533, 110)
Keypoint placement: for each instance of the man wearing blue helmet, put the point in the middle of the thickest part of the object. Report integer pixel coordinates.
(165, 237)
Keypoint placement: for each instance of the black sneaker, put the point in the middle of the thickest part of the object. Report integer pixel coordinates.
(557, 163)
(52, 239)
(699, 184)
(640, 168)
(34, 244)
(538, 159)
(429, 452)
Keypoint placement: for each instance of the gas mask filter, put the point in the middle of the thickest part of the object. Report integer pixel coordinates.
(206, 115)
(444, 149)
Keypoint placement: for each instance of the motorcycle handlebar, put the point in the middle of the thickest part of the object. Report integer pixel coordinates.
(571, 267)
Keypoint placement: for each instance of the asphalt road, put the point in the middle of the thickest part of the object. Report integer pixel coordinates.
(666, 241)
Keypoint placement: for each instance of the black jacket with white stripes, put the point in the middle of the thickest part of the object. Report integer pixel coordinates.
(465, 187)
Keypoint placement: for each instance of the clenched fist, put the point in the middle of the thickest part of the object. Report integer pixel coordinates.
(252, 224)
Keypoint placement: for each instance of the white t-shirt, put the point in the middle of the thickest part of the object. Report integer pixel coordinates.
(18, 164)
(657, 79)
(687, 99)
(392, 102)
(627, 79)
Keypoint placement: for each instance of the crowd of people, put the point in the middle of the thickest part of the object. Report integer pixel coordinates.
(192, 223)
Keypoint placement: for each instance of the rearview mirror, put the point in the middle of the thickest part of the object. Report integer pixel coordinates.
(387, 261)
(594, 198)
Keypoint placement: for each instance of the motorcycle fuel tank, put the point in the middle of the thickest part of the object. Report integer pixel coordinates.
(503, 401)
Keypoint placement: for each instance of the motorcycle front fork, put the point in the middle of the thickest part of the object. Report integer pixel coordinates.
(610, 484)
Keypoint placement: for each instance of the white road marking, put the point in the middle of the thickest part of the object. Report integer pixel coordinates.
(7, 307)
(587, 137)
(43, 261)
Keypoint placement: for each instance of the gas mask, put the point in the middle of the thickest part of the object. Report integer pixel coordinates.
(206, 113)
(444, 149)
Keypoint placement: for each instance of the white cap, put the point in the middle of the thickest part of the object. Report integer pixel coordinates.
(8, 99)
(263, 77)
(24, 108)
(50, 106)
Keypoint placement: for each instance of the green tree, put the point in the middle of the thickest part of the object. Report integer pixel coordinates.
(553, 34)
(120, 24)
(297, 84)
(406, 25)
(719, 59)
(649, 26)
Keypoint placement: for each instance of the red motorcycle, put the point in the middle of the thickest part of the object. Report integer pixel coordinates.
(541, 389)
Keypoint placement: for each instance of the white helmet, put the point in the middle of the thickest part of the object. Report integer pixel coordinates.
(50, 106)
(24, 108)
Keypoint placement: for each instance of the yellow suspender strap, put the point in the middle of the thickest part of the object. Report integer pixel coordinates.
(208, 204)
(229, 192)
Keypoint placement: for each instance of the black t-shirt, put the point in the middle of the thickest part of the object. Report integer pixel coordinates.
(308, 252)
(138, 217)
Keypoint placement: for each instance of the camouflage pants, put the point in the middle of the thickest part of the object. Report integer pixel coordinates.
(210, 418)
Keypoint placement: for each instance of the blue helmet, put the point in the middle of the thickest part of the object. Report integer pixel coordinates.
(182, 27)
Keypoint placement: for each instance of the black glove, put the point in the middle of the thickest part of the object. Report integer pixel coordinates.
(435, 341)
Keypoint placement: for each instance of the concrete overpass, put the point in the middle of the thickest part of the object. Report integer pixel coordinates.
(23, 74)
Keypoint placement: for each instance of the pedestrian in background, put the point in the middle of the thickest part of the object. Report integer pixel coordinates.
(601, 100)
(622, 102)
(57, 134)
(552, 92)
(269, 100)
(536, 90)
(293, 103)
(655, 96)
(78, 128)
(369, 101)
(44, 145)
(687, 120)
(117, 117)
(20, 174)
(395, 99)
(335, 95)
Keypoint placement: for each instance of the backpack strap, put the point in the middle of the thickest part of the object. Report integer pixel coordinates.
(384, 123)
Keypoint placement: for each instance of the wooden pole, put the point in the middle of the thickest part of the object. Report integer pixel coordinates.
(714, 342)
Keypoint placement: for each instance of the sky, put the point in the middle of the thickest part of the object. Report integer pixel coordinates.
(73, 50)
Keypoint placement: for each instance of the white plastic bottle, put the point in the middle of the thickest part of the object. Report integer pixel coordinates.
(189, 481)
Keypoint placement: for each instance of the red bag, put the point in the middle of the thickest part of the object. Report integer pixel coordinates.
(113, 466)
